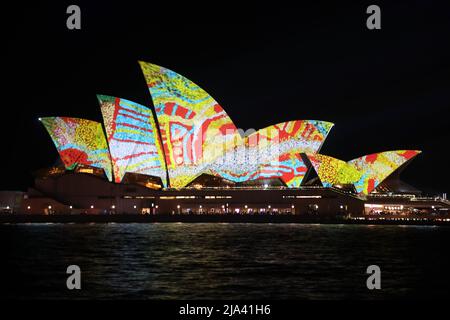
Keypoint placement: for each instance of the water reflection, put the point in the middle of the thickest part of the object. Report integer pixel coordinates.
(223, 261)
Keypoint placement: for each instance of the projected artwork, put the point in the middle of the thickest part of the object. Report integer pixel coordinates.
(198, 135)
(298, 136)
(79, 141)
(288, 167)
(194, 127)
(365, 173)
(378, 166)
(195, 136)
(332, 171)
(278, 148)
(273, 152)
(133, 138)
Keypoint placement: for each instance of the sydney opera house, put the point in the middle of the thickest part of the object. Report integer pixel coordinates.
(191, 159)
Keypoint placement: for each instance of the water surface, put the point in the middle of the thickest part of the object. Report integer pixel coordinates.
(223, 261)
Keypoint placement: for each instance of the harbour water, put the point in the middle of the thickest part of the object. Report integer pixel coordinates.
(223, 261)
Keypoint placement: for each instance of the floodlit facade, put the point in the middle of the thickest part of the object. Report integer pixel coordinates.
(188, 149)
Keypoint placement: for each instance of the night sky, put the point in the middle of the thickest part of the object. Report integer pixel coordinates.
(384, 89)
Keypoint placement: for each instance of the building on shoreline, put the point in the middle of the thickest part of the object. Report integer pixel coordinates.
(192, 159)
(85, 193)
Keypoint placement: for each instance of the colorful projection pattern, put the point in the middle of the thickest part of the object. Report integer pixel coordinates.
(285, 141)
(299, 135)
(365, 173)
(378, 166)
(198, 135)
(288, 167)
(79, 141)
(194, 127)
(273, 152)
(133, 138)
(332, 171)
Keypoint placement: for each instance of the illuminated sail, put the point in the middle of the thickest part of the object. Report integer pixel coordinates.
(133, 138)
(378, 166)
(365, 173)
(194, 127)
(79, 141)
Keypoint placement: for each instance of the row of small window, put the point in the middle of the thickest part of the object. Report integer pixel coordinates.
(194, 197)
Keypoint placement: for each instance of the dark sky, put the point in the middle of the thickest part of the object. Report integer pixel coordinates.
(384, 89)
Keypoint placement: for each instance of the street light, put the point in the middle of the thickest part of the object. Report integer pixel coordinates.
(92, 207)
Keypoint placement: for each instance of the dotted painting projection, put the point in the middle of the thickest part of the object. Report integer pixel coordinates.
(79, 142)
(198, 136)
(193, 135)
(194, 127)
(133, 138)
(365, 173)
(273, 152)
(377, 167)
